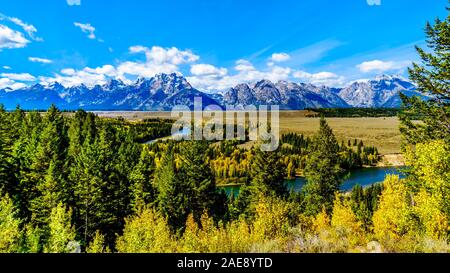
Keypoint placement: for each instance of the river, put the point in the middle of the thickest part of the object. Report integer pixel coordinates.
(185, 131)
(364, 177)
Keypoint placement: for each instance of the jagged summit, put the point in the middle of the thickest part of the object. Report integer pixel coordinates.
(377, 92)
(163, 91)
(288, 95)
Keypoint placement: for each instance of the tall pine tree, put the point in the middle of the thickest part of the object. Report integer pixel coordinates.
(172, 200)
(197, 175)
(268, 174)
(141, 178)
(7, 178)
(47, 167)
(432, 78)
(323, 172)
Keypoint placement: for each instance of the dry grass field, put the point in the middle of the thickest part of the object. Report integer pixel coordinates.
(379, 132)
(132, 115)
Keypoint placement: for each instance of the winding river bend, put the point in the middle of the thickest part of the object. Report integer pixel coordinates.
(183, 132)
(364, 177)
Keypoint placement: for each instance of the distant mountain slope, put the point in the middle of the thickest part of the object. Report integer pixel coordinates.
(288, 95)
(383, 91)
(164, 91)
(161, 92)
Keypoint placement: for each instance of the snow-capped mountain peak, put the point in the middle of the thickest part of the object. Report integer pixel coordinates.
(377, 92)
(163, 91)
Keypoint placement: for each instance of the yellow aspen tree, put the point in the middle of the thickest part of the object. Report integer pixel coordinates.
(345, 223)
(190, 239)
(391, 218)
(146, 232)
(9, 226)
(343, 217)
(431, 172)
(321, 221)
(98, 244)
(61, 230)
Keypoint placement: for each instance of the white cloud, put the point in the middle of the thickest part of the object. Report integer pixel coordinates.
(73, 2)
(28, 28)
(247, 73)
(11, 39)
(207, 69)
(244, 65)
(71, 77)
(381, 66)
(8, 83)
(203, 76)
(68, 71)
(144, 69)
(159, 55)
(6, 67)
(320, 78)
(158, 60)
(86, 28)
(107, 70)
(168, 60)
(279, 57)
(26, 77)
(138, 49)
(39, 60)
(374, 2)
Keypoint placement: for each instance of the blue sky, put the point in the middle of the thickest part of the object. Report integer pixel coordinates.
(215, 44)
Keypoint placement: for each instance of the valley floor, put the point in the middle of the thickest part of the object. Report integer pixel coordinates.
(382, 133)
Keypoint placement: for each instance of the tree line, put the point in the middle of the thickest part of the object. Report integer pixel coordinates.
(353, 112)
(77, 178)
(82, 183)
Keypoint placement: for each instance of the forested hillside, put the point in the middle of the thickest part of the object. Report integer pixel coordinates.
(79, 182)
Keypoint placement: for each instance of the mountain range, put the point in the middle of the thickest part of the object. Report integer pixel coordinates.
(164, 91)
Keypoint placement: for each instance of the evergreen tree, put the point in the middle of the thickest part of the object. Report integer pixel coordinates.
(127, 157)
(17, 121)
(189, 189)
(89, 187)
(432, 78)
(24, 152)
(197, 175)
(7, 178)
(32, 239)
(81, 127)
(141, 180)
(323, 172)
(268, 174)
(172, 200)
(50, 195)
(47, 166)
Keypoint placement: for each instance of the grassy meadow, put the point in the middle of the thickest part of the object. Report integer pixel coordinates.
(382, 133)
